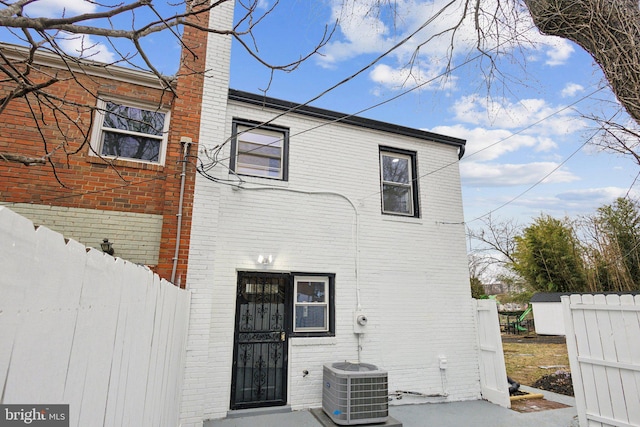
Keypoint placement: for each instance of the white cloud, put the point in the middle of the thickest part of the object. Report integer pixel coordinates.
(362, 31)
(478, 110)
(603, 195)
(365, 28)
(503, 175)
(571, 89)
(574, 202)
(416, 76)
(56, 8)
(489, 144)
(83, 46)
(73, 44)
(559, 50)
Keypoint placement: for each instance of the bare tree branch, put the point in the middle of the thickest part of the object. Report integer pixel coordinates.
(18, 158)
(24, 77)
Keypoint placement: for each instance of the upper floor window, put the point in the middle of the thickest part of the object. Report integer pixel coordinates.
(130, 132)
(259, 150)
(398, 182)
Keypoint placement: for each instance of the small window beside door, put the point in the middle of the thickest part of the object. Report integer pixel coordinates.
(313, 309)
(311, 312)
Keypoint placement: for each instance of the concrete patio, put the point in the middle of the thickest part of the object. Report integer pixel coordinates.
(477, 413)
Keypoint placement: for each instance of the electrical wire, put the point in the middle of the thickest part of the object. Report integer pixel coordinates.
(203, 168)
(371, 107)
(418, 86)
(418, 178)
(414, 180)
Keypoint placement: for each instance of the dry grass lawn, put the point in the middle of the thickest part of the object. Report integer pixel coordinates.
(528, 361)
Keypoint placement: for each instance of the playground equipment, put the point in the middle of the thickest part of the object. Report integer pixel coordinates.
(517, 326)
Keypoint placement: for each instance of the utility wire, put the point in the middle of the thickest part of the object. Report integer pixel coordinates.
(593, 135)
(448, 71)
(501, 140)
(416, 179)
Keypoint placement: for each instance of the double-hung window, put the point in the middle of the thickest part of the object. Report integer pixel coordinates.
(130, 131)
(260, 151)
(398, 182)
(311, 304)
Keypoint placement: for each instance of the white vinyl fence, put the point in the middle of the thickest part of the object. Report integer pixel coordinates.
(603, 340)
(493, 374)
(79, 327)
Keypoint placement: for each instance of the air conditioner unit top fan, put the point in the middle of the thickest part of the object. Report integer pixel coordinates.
(355, 393)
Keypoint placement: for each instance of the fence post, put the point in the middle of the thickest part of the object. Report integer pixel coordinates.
(572, 349)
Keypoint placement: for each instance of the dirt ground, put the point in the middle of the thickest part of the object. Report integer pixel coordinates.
(538, 361)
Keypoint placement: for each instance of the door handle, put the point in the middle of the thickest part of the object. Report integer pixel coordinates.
(283, 336)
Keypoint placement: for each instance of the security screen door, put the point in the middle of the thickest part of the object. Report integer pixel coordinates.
(259, 375)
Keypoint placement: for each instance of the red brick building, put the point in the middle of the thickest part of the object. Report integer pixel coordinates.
(118, 143)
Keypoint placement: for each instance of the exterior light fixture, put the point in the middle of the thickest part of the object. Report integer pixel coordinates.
(265, 260)
(107, 247)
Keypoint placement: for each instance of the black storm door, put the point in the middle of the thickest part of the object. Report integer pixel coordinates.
(259, 375)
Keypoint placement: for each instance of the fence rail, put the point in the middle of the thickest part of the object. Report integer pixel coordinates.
(79, 327)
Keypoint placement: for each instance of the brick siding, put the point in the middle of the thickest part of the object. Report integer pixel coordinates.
(84, 181)
(413, 272)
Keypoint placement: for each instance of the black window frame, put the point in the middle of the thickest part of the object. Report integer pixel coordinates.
(413, 156)
(257, 125)
(331, 332)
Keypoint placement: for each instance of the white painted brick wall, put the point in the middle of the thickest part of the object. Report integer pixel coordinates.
(135, 236)
(413, 272)
(199, 392)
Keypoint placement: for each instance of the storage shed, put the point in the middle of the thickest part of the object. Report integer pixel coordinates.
(547, 313)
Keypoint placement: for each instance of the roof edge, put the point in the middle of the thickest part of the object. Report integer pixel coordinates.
(320, 113)
(93, 68)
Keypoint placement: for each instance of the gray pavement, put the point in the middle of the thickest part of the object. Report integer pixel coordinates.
(476, 413)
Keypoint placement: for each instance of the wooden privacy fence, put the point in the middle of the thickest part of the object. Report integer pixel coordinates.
(81, 328)
(603, 341)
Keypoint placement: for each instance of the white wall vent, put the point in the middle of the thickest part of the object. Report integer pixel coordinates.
(355, 393)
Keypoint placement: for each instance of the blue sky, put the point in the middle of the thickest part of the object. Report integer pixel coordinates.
(527, 135)
(548, 83)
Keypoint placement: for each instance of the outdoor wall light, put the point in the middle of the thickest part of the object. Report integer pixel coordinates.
(107, 247)
(265, 260)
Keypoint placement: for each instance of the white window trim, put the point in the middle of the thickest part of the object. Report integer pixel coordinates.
(325, 304)
(409, 185)
(96, 132)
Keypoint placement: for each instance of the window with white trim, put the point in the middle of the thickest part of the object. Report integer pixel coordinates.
(311, 304)
(259, 150)
(398, 182)
(130, 131)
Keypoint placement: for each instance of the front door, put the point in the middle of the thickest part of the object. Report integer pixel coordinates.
(259, 375)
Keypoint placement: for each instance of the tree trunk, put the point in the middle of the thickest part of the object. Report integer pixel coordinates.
(609, 30)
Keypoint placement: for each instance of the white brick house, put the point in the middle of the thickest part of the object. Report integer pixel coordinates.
(346, 216)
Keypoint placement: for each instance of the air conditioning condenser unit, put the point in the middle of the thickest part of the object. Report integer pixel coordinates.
(355, 393)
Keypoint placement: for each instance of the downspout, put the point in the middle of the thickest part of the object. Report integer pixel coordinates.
(186, 143)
